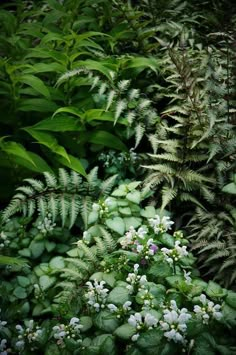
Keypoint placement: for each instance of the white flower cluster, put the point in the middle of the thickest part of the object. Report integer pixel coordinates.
(141, 323)
(131, 236)
(174, 323)
(146, 250)
(160, 225)
(102, 207)
(3, 347)
(46, 225)
(29, 335)
(120, 310)
(70, 331)
(96, 295)
(207, 310)
(147, 298)
(173, 255)
(4, 242)
(135, 280)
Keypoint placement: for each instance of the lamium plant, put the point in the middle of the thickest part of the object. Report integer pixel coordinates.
(126, 284)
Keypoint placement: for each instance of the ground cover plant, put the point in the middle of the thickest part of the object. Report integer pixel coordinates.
(117, 143)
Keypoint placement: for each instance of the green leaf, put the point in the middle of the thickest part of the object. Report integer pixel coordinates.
(116, 224)
(58, 124)
(23, 281)
(18, 150)
(38, 105)
(73, 163)
(106, 139)
(167, 240)
(49, 141)
(125, 211)
(86, 322)
(150, 340)
(36, 83)
(72, 110)
(106, 344)
(175, 281)
(36, 248)
(20, 292)
(231, 299)
(57, 262)
(148, 212)
(230, 188)
(134, 196)
(106, 321)
(39, 165)
(215, 290)
(46, 282)
(93, 217)
(118, 296)
(132, 221)
(125, 331)
(141, 63)
(37, 310)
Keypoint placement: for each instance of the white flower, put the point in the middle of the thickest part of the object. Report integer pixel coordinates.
(160, 224)
(20, 344)
(112, 307)
(207, 310)
(174, 323)
(96, 207)
(3, 345)
(126, 306)
(136, 266)
(173, 255)
(150, 320)
(96, 294)
(187, 277)
(135, 337)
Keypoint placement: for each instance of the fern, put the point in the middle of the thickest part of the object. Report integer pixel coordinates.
(65, 197)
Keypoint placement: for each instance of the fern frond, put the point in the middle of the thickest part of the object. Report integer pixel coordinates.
(51, 179)
(36, 184)
(139, 132)
(63, 206)
(85, 208)
(64, 178)
(74, 209)
(107, 185)
(168, 195)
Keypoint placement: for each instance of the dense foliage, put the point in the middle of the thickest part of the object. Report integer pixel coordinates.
(117, 117)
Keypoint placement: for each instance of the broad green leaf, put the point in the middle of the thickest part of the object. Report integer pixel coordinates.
(103, 68)
(38, 105)
(107, 139)
(17, 150)
(118, 296)
(148, 212)
(141, 63)
(150, 340)
(231, 299)
(105, 344)
(72, 110)
(92, 217)
(116, 224)
(134, 196)
(101, 115)
(39, 165)
(46, 282)
(86, 322)
(36, 248)
(73, 163)
(215, 290)
(167, 240)
(58, 124)
(45, 68)
(57, 263)
(49, 141)
(20, 292)
(132, 221)
(230, 188)
(23, 281)
(125, 331)
(36, 83)
(106, 321)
